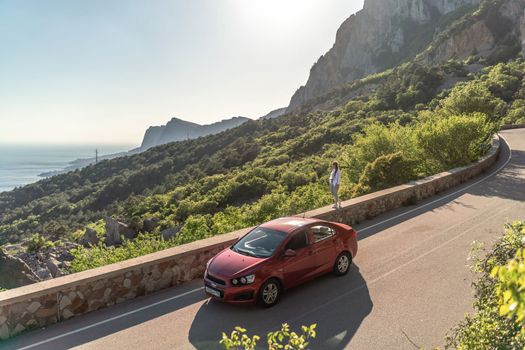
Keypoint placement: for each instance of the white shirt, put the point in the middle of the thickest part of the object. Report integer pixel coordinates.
(335, 177)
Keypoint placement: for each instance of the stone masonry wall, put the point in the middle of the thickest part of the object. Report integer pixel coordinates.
(41, 304)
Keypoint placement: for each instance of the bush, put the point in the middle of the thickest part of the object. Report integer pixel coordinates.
(100, 255)
(516, 113)
(195, 228)
(282, 339)
(473, 97)
(499, 294)
(386, 171)
(510, 289)
(389, 156)
(37, 242)
(376, 141)
(454, 141)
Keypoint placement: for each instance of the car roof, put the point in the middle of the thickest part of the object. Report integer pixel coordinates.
(290, 224)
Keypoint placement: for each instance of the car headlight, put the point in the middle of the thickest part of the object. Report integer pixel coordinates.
(244, 280)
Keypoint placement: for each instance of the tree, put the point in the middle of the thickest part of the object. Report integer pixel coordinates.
(386, 171)
(473, 97)
(454, 141)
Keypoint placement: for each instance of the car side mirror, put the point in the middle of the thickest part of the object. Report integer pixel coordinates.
(290, 253)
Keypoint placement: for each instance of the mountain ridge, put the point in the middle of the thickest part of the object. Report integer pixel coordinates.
(177, 130)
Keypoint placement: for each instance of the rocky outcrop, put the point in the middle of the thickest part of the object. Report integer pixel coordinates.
(497, 29)
(178, 130)
(170, 233)
(53, 266)
(150, 224)
(115, 230)
(475, 39)
(46, 263)
(14, 272)
(382, 35)
(90, 237)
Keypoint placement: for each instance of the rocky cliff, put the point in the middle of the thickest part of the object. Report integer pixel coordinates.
(382, 35)
(495, 31)
(178, 130)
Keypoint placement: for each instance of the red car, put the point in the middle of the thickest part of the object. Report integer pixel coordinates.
(278, 255)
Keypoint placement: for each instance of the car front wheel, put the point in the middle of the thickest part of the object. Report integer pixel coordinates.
(269, 293)
(342, 264)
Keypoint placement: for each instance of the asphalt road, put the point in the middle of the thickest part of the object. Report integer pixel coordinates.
(410, 281)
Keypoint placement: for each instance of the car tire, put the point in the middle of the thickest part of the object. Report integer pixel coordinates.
(342, 264)
(269, 293)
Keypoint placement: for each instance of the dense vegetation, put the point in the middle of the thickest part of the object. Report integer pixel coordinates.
(499, 320)
(403, 126)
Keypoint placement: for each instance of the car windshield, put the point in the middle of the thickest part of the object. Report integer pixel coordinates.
(261, 242)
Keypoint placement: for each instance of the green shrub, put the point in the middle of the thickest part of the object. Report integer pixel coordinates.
(282, 339)
(386, 171)
(196, 227)
(377, 140)
(100, 255)
(516, 113)
(389, 156)
(453, 141)
(473, 97)
(510, 289)
(37, 242)
(499, 293)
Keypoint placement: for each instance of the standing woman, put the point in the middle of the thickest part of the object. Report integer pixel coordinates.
(335, 180)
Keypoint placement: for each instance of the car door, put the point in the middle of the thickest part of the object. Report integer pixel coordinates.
(302, 266)
(323, 247)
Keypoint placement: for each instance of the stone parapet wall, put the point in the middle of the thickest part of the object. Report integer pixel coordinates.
(44, 303)
(512, 126)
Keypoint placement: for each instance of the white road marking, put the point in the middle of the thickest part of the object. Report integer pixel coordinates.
(112, 318)
(343, 295)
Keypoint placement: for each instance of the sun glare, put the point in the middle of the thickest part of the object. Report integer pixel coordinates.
(275, 15)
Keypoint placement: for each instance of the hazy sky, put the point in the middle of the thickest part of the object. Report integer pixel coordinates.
(102, 71)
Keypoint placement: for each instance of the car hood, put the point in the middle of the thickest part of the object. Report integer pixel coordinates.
(229, 263)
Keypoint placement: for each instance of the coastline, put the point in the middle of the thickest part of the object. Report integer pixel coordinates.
(24, 164)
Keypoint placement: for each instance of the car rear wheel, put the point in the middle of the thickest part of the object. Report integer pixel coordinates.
(342, 264)
(269, 293)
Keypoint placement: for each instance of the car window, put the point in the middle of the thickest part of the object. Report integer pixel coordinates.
(298, 241)
(261, 242)
(321, 232)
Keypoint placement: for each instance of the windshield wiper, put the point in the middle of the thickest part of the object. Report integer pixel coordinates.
(245, 252)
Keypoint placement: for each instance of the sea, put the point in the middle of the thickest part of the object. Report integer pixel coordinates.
(22, 164)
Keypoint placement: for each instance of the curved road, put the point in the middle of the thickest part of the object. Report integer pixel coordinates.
(409, 281)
